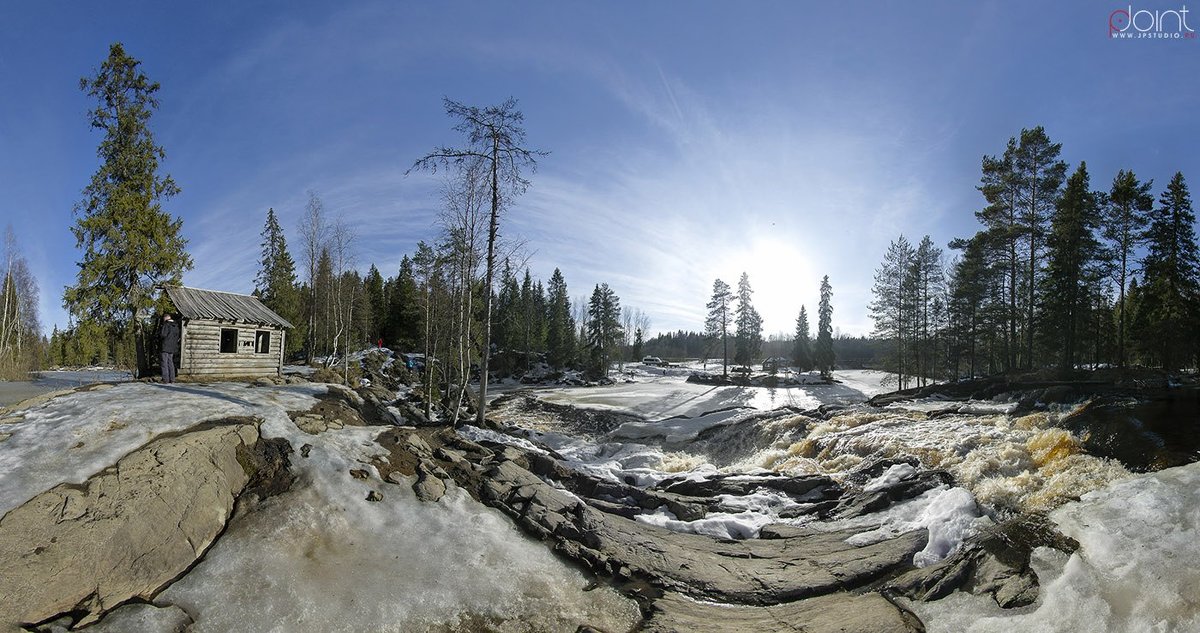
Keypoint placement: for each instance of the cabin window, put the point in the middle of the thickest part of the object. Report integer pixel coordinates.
(228, 341)
(262, 342)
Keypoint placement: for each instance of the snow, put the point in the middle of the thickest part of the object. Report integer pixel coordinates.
(741, 525)
(72, 437)
(950, 514)
(1134, 571)
(892, 476)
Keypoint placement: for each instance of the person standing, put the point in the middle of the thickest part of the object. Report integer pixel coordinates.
(169, 336)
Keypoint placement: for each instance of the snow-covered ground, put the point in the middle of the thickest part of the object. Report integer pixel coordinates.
(319, 557)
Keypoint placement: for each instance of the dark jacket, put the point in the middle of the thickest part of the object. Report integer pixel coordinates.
(170, 337)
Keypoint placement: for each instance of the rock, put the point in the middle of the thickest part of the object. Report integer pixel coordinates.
(305, 450)
(994, 562)
(124, 533)
(144, 617)
(269, 468)
(429, 486)
(834, 613)
(264, 382)
(374, 496)
(359, 473)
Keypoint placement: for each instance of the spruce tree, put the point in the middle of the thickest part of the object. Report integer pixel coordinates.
(1125, 219)
(560, 329)
(823, 354)
(403, 329)
(376, 304)
(275, 284)
(130, 244)
(748, 336)
(1072, 259)
(802, 354)
(716, 326)
(604, 328)
(1171, 287)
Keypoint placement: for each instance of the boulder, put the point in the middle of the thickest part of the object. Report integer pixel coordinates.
(127, 531)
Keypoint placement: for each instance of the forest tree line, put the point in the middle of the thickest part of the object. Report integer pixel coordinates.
(1059, 275)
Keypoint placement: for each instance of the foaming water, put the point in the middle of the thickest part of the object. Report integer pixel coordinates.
(1009, 464)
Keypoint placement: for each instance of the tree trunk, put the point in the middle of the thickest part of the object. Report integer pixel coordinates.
(493, 229)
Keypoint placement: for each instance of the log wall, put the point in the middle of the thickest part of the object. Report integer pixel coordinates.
(202, 355)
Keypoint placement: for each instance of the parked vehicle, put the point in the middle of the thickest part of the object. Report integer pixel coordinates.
(654, 361)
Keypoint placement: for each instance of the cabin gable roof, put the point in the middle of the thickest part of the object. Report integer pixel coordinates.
(196, 303)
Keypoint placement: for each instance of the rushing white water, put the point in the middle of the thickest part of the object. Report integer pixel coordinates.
(1000, 462)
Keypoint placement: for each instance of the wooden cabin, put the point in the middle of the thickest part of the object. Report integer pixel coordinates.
(225, 334)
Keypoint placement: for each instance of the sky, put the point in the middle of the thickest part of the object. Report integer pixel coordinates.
(687, 141)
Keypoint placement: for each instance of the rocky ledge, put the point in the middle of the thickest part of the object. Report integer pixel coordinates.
(791, 578)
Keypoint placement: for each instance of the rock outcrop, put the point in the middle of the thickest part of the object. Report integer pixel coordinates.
(133, 528)
(798, 579)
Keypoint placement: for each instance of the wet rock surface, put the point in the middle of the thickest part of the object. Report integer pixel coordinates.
(795, 578)
(131, 529)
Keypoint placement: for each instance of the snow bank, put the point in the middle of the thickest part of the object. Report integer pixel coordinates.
(1135, 569)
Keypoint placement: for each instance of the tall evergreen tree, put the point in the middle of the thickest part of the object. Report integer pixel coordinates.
(802, 353)
(716, 326)
(823, 354)
(1002, 236)
(376, 305)
(891, 308)
(1171, 287)
(604, 328)
(1072, 269)
(1125, 219)
(1040, 175)
(130, 244)
(403, 331)
(560, 330)
(748, 337)
(275, 284)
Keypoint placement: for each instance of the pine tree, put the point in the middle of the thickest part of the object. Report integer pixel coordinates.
(823, 354)
(1072, 269)
(716, 326)
(130, 244)
(1040, 176)
(1002, 235)
(560, 329)
(1171, 288)
(748, 336)
(891, 308)
(1125, 219)
(802, 354)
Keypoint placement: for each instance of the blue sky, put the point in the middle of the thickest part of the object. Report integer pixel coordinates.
(688, 140)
